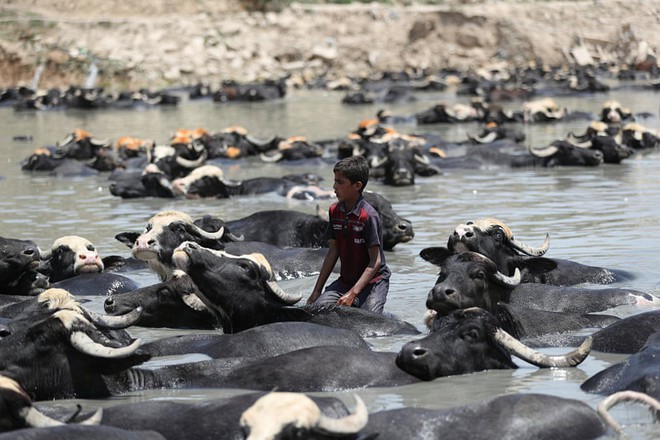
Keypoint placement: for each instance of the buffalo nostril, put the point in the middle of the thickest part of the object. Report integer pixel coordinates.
(151, 242)
(419, 352)
(30, 251)
(469, 234)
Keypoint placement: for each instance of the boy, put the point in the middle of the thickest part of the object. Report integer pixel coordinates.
(355, 238)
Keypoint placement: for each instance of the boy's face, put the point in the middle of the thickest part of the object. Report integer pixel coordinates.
(344, 189)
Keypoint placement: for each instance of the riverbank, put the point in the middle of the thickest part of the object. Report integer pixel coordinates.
(165, 43)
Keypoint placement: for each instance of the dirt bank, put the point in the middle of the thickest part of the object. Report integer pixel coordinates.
(160, 43)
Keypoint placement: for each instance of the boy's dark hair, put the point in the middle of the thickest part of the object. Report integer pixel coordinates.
(355, 168)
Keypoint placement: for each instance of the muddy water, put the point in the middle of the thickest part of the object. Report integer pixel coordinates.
(604, 216)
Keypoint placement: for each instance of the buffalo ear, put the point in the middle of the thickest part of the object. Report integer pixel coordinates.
(538, 265)
(127, 238)
(435, 255)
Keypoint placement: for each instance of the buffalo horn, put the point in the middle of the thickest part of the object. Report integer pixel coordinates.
(36, 419)
(624, 396)
(544, 152)
(351, 424)
(424, 160)
(273, 157)
(286, 297)
(115, 322)
(377, 162)
(217, 235)
(539, 359)
(512, 280)
(529, 250)
(187, 163)
(487, 139)
(83, 343)
(260, 142)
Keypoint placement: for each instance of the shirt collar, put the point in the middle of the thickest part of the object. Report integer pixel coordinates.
(356, 208)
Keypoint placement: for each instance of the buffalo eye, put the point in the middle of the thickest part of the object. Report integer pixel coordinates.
(471, 335)
(498, 234)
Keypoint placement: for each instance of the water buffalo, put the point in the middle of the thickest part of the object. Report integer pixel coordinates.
(470, 279)
(494, 239)
(18, 261)
(172, 303)
(299, 229)
(639, 372)
(73, 263)
(65, 356)
(257, 343)
(168, 229)
(517, 416)
(18, 411)
(243, 287)
(625, 336)
(333, 368)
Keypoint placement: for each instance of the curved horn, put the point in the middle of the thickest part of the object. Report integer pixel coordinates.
(544, 152)
(623, 396)
(114, 322)
(260, 142)
(83, 343)
(376, 162)
(217, 235)
(276, 156)
(351, 424)
(487, 139)
(512, 280)
(529, 250)
(36, 419)
(541, 360)
(423, 159)
(288, 298)
(187, 163)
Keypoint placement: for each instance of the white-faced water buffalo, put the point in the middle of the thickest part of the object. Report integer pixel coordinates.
(168, 229)
(494, 239)
(244, 289)
(74, 264)
(470, 279)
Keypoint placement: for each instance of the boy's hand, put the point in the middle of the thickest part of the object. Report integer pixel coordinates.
(347, 299)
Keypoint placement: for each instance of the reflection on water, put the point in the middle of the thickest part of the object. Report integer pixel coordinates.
(602, 216)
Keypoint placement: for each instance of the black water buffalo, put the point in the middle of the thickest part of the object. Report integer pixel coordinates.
(293, 149)
(168, 229)
(132, 183)
(625, 336)
(443, 113)
(295, 228)
(494, 239)
(639, 372)
(265, 91)
(400, 161)
(333, 368)
(612, 112)
(517, 416)
(18, 411)
(469, 279)
(18, 261)
(173, 303)
(243, 287)
(65, 356)
(639, 137)
(256, 343)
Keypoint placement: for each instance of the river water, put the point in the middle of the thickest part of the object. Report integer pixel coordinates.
(606, 216)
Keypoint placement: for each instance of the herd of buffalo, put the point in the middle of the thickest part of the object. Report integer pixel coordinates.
(495, 297)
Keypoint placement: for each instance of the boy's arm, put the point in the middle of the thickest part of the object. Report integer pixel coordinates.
(326, 269)
(369, 272)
